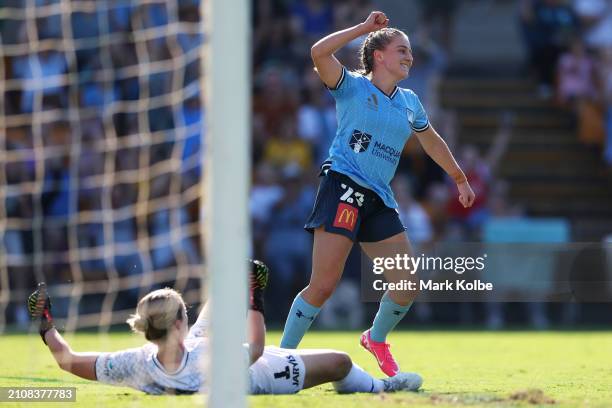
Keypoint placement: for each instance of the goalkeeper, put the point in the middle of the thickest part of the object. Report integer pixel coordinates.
(170, 362)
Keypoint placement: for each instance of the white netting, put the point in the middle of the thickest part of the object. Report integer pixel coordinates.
(100, 167)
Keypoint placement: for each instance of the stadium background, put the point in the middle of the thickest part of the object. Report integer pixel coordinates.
(100, 137)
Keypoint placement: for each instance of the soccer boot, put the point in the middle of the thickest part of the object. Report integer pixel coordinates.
(381, 352)
(403, 382)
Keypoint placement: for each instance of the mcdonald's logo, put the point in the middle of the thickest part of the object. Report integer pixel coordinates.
(346, 217)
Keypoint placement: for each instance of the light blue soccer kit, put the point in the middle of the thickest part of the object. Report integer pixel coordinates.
(372, 131)
(355, 197)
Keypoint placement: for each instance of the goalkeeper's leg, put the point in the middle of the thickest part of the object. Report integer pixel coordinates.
(287, 371)
(347, 377)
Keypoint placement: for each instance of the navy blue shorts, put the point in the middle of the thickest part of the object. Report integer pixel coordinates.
(344, 207)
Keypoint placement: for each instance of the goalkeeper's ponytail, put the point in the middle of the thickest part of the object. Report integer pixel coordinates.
(156, 313)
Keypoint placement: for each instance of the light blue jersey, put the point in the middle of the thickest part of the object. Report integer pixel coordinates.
(372, 131)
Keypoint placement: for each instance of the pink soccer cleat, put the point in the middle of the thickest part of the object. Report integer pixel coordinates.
(381, 351)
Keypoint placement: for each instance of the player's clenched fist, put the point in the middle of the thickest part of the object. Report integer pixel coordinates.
(466, 194)
(375, 21)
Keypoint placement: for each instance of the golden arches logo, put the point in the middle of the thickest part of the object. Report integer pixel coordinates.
(347, 217)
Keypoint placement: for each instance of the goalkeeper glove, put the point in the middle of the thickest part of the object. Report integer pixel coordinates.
(257, 283)
(39, 306)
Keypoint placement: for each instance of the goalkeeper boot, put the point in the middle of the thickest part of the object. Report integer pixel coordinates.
(382, 352)
(259, 274)
(403, 382)
(39, 307)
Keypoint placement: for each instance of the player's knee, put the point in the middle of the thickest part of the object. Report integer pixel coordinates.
(403, 297)
(320, 293)
(342, 365)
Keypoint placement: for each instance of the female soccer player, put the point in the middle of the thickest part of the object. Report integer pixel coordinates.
(355, 201)
(170, 362)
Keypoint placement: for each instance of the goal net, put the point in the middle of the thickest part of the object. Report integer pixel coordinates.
(100, 156)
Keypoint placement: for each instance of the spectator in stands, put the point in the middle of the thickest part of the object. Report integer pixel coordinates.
(605, 68)
(42, 73)
(480, 171)
(119, 17)
(316, 117)
(547, 27)
(435, 204)
(425, 75)
(575, 75)
(287, 148)
(441, 14)
(192, 118)
(275, 44)
(596, 22)
(577, 89)
(413, 216)
(49, 27)
(287, 247)
(312, 18)
(275, 98)
(350, 12)
(85, 25)
(499, 205)
(265, 193)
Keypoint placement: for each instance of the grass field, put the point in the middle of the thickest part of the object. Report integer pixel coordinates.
(459, 369)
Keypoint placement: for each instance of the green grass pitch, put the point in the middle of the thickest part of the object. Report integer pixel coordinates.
(459, 369)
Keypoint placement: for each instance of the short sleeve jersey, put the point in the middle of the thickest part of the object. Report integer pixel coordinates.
(372, 130)
(139, 367)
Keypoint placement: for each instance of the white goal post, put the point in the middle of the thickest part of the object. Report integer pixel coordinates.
(226, 69)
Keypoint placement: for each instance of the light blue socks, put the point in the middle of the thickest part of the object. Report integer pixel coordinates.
(388, 316)
(301, 316)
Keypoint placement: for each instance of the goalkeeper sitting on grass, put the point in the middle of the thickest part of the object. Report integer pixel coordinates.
(170, 362)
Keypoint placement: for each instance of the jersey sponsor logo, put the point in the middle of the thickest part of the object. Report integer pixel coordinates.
(359, 141)
(386, 152)
(346, 217)
(372, 102)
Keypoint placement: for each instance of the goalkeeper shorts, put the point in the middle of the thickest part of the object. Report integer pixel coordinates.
(277, 371)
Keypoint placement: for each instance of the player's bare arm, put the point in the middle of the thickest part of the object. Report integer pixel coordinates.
(437, 149)
(79, 364)
(322, 52)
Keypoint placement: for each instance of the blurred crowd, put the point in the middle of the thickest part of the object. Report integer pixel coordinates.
(133, 102)
(103, 127)
(569, 45)
(294, 124)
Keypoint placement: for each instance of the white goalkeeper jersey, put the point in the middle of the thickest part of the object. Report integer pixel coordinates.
(139, 368)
